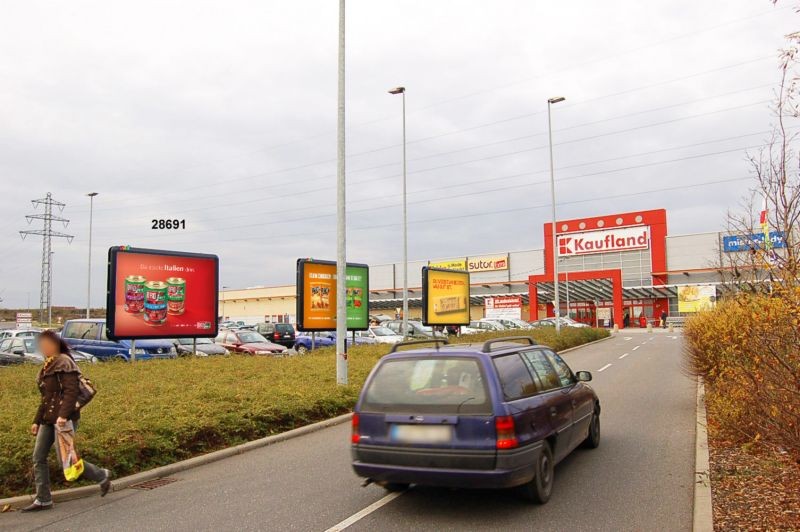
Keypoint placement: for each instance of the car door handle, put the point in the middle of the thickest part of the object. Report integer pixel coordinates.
(574, 403)
(553, 411)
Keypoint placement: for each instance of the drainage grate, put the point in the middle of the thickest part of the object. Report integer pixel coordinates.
(153, 484)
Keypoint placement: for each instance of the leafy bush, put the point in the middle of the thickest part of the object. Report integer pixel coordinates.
(748, 352)
(157, 412)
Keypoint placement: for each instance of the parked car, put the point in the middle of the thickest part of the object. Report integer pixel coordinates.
(19, 350)
(381, 335)
(513, 323)
(205, 347)
(486, 326)
(248, 342)
(551, 322)
(89, 336)
(278, 333)
(496, 415)
(24, 333)
(304, 342)
(415, 329)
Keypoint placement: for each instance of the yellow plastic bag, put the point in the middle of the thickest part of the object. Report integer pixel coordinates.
(70, 461)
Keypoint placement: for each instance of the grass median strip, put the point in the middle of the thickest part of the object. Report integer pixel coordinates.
(155, 413)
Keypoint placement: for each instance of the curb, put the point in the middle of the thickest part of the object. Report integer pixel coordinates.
(171, 469)
(703, 515)
(609, 337)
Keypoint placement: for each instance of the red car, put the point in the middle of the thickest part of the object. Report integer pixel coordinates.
(248, 342)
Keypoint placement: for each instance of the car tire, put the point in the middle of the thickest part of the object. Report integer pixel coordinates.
(395, 486)
(540, 488)
(301, 350)
(592, 441)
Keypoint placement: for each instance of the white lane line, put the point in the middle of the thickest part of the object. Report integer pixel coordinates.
(365, 512)
(629, 337)
(635, 348)
(623, 356)
(604, 368)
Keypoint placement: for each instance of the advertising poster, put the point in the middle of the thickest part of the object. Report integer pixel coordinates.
(452, 264)
(316, 296)
(161, 294)
(696, 298)
(445, 297)
(503, 307)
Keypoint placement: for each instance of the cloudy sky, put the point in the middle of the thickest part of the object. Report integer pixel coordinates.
(224, 114)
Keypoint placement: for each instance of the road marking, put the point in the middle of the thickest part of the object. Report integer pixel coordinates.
(358, 516)
(629, 337)
(604, 368)
(635, 348)
(623, 356)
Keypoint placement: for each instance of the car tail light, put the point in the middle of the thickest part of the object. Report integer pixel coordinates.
(506, 435)
(277, 336)
(355, 437)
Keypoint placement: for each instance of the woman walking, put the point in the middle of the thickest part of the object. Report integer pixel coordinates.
(58, 384)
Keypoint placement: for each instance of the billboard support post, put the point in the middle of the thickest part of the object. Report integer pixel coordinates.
(194, 346)
(132, 352)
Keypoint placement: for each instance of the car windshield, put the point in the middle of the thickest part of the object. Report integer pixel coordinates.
(250, 337)
(382, 331)
(188, 341)
(441, 385)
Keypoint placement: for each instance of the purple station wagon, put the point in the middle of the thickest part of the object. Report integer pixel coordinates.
(494, 415)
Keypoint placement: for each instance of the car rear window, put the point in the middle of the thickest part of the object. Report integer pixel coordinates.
(436, 385)
(284, 328)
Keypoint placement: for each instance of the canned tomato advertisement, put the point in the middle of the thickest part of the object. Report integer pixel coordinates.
(161, 294)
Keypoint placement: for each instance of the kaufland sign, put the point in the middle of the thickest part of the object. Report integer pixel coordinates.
(609, 240)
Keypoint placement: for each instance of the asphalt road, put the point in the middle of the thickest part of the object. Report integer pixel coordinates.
(640, 478)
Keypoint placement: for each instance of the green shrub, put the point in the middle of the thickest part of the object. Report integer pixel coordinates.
(155, 413)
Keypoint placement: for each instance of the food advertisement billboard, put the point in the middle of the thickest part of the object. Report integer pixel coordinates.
(316, 296)
(445, 297)
(161, 294)
(696, 298)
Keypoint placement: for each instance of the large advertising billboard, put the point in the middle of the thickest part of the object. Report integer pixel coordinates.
(735, 243)
(445, 297)
(503, 307)
(696, 297)
(316, 295)
(161, 294)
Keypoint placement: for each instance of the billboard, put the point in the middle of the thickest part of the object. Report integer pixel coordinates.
(452, 264)
(734, 243)
(590, 242)
(696, 298)
(503, 307)
(445, 297)
(24, 320)
(161, 294)
(316, 295)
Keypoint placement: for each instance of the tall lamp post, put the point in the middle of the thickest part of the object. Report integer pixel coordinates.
(89, 274)
(556, 304)
(223, 301)
(402, 91)
(341, 232)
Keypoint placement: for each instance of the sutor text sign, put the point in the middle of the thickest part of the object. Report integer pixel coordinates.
(610, 240)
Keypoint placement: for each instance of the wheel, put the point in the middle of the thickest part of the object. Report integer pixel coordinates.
(539, 489)
(301, 349)
(395, 486)
(592, 441)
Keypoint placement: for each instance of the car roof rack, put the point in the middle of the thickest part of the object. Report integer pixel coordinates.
(436, 341)
(487, 345)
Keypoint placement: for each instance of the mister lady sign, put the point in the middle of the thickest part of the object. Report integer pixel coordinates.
(590, 242)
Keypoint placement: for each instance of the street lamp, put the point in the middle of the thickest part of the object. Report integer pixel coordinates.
(89, 275)
(402, 91)
(556, 307)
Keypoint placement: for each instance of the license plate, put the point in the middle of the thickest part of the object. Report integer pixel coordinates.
(427, 434)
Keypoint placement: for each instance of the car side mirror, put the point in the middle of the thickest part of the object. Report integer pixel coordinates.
(584, 376)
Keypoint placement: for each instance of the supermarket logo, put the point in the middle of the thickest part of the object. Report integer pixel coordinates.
(611, 240)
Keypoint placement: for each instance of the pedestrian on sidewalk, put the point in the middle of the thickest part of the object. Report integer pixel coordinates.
(59, 386)
(663, 319)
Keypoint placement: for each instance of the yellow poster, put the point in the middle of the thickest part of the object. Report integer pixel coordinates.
(696, 298)
(452, 264)
(445, 297)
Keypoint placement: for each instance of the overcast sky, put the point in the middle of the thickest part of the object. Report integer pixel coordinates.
(224, 114)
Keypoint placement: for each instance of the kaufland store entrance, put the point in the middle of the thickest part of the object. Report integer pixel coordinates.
(611, 270)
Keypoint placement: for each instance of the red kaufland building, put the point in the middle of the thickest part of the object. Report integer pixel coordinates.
(609, 267)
